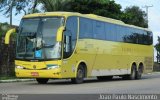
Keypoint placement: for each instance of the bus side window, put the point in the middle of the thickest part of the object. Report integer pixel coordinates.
(67, 44)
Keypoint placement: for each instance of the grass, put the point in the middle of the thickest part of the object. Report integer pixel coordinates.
(10, 77)
(7, 77)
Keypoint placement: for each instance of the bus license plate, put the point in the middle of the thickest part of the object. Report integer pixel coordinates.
(34, 73)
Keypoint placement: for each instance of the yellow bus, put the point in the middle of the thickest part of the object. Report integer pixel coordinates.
(75, 46)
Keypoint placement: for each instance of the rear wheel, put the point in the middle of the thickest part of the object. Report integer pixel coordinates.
(132, 76)
(139, 72)
(80, 75)
(42, 80)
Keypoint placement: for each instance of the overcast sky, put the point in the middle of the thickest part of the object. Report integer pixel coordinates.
(153, 15)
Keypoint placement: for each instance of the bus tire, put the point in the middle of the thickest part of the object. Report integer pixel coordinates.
(80, 75)
(139, 72)
(132, 75)
(42, 80)
(103, 78)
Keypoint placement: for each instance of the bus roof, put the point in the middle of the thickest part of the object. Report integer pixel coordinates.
(90, 16)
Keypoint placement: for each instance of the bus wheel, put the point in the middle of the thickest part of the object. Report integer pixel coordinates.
(139, 72)
(103, 78)
(80, 75)
(132, 76)
(42, 80)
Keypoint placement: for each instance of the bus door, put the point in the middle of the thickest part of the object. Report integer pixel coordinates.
(67, 49)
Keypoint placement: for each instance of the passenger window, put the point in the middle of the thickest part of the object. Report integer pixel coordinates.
(98, 30)
(110, 31)
(86, 28)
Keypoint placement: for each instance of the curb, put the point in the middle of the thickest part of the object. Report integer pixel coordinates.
(155, 72)
(16, 80)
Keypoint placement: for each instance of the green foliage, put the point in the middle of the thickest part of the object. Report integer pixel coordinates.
(26, 6)
(7, 52)
(107, 8)
(53, 5)
(7, 77)
(3, 28)
(135, 16)
(157, 46)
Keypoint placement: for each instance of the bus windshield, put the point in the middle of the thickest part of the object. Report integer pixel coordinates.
(37, 38)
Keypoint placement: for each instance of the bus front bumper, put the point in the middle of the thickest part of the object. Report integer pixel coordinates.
(52, 73)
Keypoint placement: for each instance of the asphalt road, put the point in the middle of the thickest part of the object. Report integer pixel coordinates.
(149, 84)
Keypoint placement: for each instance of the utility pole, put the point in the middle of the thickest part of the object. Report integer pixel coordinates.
(11, 9)
(147, 6)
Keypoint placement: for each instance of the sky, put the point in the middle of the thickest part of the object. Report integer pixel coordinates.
(153, 14)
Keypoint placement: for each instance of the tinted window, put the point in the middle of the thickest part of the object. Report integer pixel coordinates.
(71, 26)
(121, 32)
(147, 38)
(110, 31)
(86, 28)
(98, 30)
(138, 36)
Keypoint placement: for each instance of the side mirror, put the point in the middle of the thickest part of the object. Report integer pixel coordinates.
(8, 34)
(59, 33)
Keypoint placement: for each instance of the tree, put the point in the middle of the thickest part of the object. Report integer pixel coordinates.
(20, 5)
(6, 6)
(53, 5)
(135, 16)
(25, 6)
(3, 28)
(7, 57)
(157, 47)
(106, 8)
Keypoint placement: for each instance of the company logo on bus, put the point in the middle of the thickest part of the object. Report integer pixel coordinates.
(34, 67)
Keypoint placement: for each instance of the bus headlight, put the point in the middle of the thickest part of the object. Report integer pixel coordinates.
(52, 66)
(19, 67)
